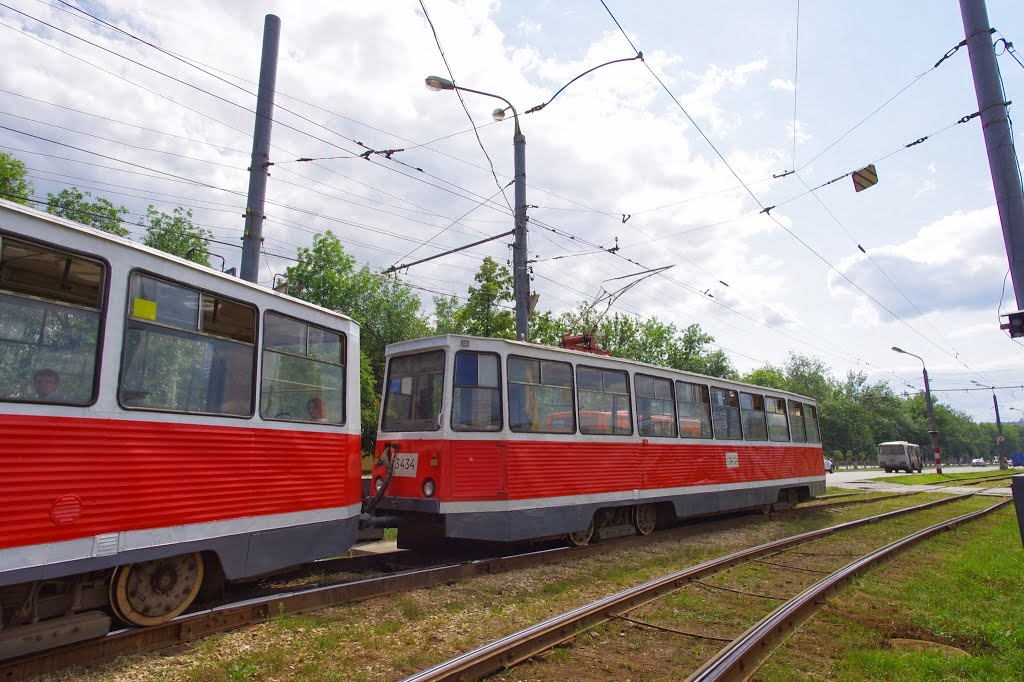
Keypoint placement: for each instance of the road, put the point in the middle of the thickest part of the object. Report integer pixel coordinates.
(861, 479)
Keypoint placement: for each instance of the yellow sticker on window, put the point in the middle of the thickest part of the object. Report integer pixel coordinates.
(144, 309)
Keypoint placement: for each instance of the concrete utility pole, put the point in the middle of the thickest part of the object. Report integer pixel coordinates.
(252, 238)
(1003, 465)
(520, 268)
(995, 125)
(1001, 440)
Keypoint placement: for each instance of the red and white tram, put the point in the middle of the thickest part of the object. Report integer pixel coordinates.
(500, 440)
(162, 425)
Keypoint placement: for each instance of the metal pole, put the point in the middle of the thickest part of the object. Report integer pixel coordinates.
(520, 271)
(1002, 160)
(999, 428)
(936, 450)
(252, 238)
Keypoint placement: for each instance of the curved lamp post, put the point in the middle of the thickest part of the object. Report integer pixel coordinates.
(520, 275)
(936, 450)
(520, 272)
(1001, 441)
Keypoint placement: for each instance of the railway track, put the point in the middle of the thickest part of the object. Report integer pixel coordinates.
(393, 575)
(741, 655)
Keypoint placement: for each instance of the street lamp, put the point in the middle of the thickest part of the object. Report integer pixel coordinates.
(1001, 440)
(520, 275)
(936, 450)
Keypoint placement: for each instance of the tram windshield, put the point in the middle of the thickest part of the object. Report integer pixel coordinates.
(414, 388)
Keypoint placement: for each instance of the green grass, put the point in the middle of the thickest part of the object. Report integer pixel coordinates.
(918, 479)
(961, 589)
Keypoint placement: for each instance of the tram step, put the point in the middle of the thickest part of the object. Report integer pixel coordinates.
(609, 532)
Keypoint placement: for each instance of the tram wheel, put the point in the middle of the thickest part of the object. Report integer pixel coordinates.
(153, 592)
(645, 518)
(582, 537)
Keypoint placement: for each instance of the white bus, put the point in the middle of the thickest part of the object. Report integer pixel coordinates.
(899, 455)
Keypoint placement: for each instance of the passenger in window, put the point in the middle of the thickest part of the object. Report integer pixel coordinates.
(47, 385)
(315, 409)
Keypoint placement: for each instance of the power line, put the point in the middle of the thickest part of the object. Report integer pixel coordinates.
(476, 132)
(767, 210)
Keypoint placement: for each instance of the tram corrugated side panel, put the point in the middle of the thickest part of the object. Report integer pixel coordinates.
(129, 475)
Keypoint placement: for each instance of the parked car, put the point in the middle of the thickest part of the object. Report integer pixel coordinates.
(830, 466)
(978, 462)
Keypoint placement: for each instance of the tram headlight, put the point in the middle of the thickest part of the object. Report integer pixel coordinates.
(378, 483)
(429, 487)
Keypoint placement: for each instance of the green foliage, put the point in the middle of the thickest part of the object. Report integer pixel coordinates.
(855, 416)
(176, 234)
(386, 309)
(487, 309)
(74, 205)
(14, 185)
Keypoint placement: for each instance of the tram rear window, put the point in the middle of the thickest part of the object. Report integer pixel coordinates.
(50, 303)
(186, 350)
(413, 392)
(303, 372)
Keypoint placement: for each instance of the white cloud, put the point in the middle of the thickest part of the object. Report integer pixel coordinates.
(782, 84)
(953, 263)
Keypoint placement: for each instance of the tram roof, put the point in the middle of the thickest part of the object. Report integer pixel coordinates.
(527, 348)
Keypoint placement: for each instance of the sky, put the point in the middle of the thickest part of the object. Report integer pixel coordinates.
(673, 175)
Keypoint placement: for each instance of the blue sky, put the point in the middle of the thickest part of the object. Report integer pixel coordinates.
(613, 143)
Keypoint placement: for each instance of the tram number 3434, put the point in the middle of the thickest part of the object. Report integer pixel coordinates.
(405, 464)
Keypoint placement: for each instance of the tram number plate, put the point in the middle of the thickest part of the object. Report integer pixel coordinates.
(405, 464)
(732, 460)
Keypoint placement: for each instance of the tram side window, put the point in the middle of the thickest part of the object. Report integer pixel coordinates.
(796, 421)
(413, 392)
(694, 404)
(540, 396)
(476, 394)
(778, 428)
(50, 304)
(725, 413)
(655, 407)
(811, 422)
(604, 403)
(752, 416)
(303, 372)
(186, 350)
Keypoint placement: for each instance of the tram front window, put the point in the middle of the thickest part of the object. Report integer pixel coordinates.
(49, 323)
(415, 386)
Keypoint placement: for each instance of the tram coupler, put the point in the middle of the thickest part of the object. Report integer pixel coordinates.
(371, 521)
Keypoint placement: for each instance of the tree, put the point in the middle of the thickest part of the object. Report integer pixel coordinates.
(72, 204)
(14, 184)
(484, 314)
(693, 355)
(176, 234)
(386, 309)
(448, 316)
